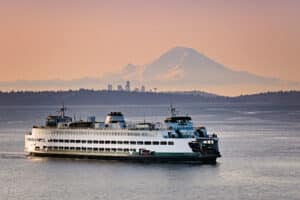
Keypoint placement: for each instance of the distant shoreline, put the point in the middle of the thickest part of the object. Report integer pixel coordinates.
(104, 97)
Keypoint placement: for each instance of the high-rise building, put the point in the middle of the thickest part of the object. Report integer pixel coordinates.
(143, 89)
(109, 87)
(120, 88)
(127, 86)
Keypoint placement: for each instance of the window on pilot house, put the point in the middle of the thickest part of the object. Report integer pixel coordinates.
(140, 142)
(132, 142)
(170, 143)
(155, 143)
(147, 142)
(163, 143)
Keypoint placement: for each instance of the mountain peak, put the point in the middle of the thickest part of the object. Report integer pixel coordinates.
(180, 50)
(180, 54)
(180, 59)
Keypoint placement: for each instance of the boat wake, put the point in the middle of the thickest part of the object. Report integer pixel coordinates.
(12, 155)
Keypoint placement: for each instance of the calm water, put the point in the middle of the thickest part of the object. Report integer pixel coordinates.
(260, 145)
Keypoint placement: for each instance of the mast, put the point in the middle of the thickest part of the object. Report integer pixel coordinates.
(62, 111)
(173, 110)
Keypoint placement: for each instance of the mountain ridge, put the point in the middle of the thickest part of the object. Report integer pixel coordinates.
(97, 97)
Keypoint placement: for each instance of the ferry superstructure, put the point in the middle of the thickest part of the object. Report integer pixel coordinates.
(174, 140)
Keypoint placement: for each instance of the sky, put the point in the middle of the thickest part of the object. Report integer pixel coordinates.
(70, 39)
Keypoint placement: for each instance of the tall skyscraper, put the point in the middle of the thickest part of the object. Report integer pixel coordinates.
(120, 88)
(143, 89)
(109, 87)
(127, 86)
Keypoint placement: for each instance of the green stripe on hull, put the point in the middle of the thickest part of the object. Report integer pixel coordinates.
(158, 156)
(169, 154)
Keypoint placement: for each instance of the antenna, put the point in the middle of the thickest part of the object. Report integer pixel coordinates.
(62, 110)
(173, 110)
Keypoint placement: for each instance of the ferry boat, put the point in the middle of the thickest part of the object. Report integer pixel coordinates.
(176, 139)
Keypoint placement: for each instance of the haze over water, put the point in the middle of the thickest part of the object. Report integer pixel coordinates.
(260, 146)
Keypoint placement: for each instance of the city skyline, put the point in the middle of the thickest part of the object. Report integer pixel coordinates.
(127, 87)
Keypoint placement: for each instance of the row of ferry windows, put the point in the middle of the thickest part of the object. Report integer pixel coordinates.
(113, 142)
(109, 134)
(87, 149)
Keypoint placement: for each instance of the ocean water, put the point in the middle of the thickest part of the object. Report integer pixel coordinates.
(260, 146)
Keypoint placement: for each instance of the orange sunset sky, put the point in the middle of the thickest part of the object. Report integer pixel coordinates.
(69, 39)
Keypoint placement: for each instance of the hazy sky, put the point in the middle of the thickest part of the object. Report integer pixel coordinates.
(63, 39)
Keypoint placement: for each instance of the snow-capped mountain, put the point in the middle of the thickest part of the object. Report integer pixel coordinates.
(186, 68)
